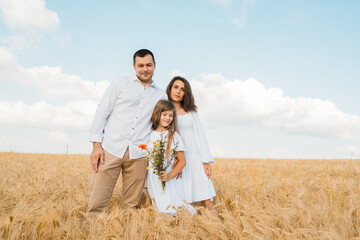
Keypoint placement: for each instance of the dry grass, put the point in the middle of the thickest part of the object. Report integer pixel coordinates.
(44, 196)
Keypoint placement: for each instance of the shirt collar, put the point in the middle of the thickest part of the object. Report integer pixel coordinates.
(152, 84)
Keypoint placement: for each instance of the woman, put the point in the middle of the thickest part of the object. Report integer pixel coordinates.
(197, 172)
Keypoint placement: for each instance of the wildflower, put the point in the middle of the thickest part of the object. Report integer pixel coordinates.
(148, 168)
(157, 158)
(142, 146)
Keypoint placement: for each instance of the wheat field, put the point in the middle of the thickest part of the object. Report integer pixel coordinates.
(44, 196)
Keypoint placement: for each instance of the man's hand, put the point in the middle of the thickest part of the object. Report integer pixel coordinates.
(207, 169)
(97, 155)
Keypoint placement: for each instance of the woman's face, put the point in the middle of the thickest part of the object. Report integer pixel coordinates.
(177, 91)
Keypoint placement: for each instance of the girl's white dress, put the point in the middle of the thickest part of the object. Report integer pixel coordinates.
(173, 198)
(198, 186)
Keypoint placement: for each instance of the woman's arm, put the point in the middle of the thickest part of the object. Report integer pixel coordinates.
(201, 140)
(177, 169)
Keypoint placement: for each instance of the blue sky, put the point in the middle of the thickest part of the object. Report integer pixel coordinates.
(272, 79)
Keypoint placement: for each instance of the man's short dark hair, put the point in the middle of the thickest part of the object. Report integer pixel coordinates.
(142, 53)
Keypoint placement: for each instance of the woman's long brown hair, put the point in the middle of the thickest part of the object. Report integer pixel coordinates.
(188, 102)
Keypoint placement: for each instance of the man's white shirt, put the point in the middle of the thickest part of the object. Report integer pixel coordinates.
(122, 118)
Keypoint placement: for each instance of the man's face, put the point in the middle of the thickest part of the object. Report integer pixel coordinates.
(144, 68)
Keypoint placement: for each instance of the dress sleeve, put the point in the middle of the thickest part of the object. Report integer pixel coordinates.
(179, 142)
(203, 145)
(104, 110)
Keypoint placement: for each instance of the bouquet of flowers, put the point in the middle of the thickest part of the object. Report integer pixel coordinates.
(156, 156)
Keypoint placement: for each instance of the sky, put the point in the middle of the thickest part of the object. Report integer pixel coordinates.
(271, 79)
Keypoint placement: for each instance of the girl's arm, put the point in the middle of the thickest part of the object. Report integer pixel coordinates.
(176, 170)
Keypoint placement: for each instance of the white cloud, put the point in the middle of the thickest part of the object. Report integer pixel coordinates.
(351, 151)
(278, 153)
(7, 141)
(73, 115)
(222, 101)
(28, 22)
(228, 152)
(56, 84)
(51, 81)
(150, 5)
(219, 151)
(222, 1)
(37, 140)
(28, 14)
(22, 41)
(59, 136)
(236, 10)
(177, 73)
(50, 121)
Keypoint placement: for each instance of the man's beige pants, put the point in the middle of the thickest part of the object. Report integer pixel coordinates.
(103, 182)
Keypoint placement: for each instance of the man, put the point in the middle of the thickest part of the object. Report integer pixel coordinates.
(121, 124)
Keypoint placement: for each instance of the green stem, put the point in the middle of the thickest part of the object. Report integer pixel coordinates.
(163, 185)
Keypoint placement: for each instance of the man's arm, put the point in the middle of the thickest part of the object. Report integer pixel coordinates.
(103, 112)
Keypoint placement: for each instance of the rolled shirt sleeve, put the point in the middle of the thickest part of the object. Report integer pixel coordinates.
(104, 110)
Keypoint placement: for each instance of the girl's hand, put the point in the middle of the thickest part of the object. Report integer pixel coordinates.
(207, 169)
(173, 166)
(179, 175)
(164, 177)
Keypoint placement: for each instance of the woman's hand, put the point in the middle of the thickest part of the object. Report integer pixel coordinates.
(207, 169)
(164, 177)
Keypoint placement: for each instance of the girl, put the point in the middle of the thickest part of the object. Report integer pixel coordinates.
(197, 172)
(170, 199)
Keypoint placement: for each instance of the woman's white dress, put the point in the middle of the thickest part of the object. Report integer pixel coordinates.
(173, 198)
(197, 185)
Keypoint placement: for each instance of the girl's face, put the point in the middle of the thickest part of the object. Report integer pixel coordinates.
(177, 91)
(166, 119)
